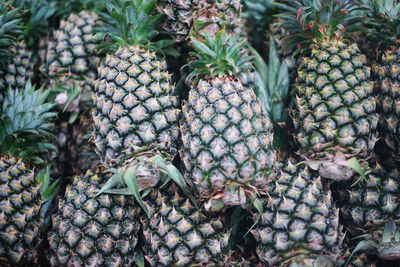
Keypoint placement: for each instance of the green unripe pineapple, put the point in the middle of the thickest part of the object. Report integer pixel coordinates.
(90, 230)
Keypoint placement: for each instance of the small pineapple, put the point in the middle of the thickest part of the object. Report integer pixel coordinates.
(177, 234)
(133, 104)
(35, 21)
(94, 231)
(335, 115)
(368, 204)
(25, 125)
(299, 222)
(72, 57)
(9, 27)
(226, 137)
(384, 18)
(20, 69)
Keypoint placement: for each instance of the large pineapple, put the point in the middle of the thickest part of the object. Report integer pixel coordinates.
(299, 222)
(134, 107)
(370, 203)
(335, 117)
(227, 138)
(177, 234)
(384, 19)
(25, 125)
(94, 231)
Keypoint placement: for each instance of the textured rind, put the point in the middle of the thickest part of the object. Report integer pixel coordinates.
(93, 231)
(177, 234)
(133, 106)
(335, 108)
(180, 13)
(227, 140)
(20, 69)
(20, 217)
(371, 202)
(71, 54)
(299, 221)
(387, 86)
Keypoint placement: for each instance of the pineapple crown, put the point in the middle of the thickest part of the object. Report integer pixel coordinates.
(383, 21)
(10, 19)
(272, 88)
(35, 16)
(130, 22)
(26, 123)
(218, 56)
(312, 21)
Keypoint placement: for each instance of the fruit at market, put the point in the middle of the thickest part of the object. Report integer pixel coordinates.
(299, 222)
(93, 231)
(25, 127)
(335, 116)
(177, 234)
(227, 138)
(133, 104)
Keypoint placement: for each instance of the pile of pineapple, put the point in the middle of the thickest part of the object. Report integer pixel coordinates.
(199, 133)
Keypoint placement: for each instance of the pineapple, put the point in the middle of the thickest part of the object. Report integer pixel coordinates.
(370, 203)
(25, 125)
(72, 58)
(384, 18)
(226, 136)
(335, 115)
(35, 16)
(299, 222)
(177, 234)
(93, 231)
(20, 69)
(9, 27)
(133, 103)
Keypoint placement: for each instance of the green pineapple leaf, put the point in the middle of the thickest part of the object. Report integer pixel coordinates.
(132, 22)
(217, 57)
(26, 123)
(176, 176)
(130, 180)
(310, 21)
(10, 27)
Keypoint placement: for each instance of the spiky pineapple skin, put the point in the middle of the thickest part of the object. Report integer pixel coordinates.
(21, 67)
(20, 217)
(335, 108)
(387, 75)
(369, 203)
(93, 231)
(299, 221)
(226, 140)
(133, 106)
(177, 234)
(71, 55)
